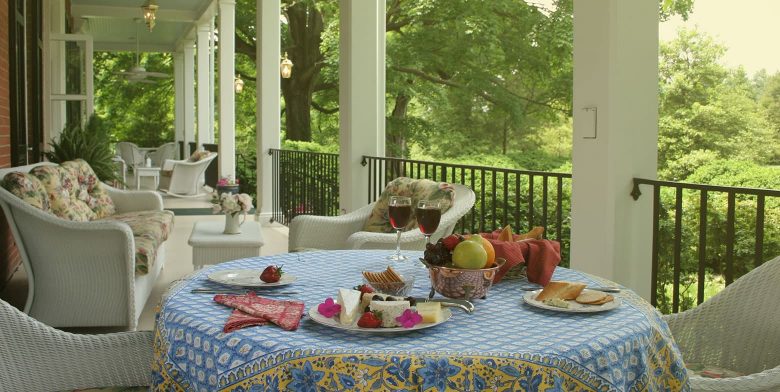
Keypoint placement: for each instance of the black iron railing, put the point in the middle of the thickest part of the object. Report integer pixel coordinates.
(304, 183)
(705, 234)
(521, 198)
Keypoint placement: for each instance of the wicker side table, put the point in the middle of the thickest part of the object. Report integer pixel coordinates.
(210, 246)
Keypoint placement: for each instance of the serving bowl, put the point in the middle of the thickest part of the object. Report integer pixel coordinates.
(459, 283)
(399, 289)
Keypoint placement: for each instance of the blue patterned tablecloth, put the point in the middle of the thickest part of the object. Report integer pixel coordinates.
(504, 345)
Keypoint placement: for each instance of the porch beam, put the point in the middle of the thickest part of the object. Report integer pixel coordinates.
(615, 138)
(205, 131)
(227, 98)
(120, 12)
(188, 98)
(361, 95)
(130, 47)
(268, 120)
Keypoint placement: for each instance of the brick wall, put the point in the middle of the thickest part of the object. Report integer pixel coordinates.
(9, 257)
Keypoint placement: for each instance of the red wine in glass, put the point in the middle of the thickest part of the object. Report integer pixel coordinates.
(428, 216)
(400, 215)
(428, 219)
(400, 211)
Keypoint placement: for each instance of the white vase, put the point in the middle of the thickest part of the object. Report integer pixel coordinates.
(233, 223)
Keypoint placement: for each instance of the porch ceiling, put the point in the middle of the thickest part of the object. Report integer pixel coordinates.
(113, 23)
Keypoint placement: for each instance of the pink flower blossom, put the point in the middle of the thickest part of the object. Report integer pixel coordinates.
(329, 308)
(409, 318)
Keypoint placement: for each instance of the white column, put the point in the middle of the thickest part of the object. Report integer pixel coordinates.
(361, 95)
(212, 101)
(188, 49)
(178, 107)
(227, 98)
(615, 138)
(204, 88)
(268, 104)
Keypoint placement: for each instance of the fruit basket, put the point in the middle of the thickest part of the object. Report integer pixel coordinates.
(459, 283)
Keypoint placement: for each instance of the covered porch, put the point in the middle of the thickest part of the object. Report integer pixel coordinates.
(615, 100)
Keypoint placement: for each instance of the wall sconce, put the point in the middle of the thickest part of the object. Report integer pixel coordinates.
(285, 67)
(150, 9)
(238, 84)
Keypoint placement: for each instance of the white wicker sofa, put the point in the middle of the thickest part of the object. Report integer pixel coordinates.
(311, 232)
(90, 265)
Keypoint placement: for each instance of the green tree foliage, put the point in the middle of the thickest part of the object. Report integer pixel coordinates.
(705, 109)
(770, 102)
(141, 113)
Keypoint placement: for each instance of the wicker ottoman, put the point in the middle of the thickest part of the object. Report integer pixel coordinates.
(210, 246)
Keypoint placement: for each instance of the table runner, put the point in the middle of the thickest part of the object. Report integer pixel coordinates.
(504, 345)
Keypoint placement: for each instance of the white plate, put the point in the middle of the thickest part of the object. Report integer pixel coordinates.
(574, 306)
(248, 278)
(333, 322)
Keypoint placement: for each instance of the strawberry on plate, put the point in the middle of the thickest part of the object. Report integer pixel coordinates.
(364, 288)
(271, 274)
(370, 319)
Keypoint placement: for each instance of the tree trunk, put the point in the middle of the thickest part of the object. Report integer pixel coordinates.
(395, 145)
(298, 115)
(306, 27)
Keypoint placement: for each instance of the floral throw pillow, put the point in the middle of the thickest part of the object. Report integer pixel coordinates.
(28, 188)
(65, 196)
(91, 190)
(198, 155)
(379, 221)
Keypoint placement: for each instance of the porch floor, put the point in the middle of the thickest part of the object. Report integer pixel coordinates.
(179, 254)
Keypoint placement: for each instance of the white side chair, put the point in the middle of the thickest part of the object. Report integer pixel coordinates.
(163, 153)
(737, 329)
(131, 154)
(184, 178)
(36, 357)
(345, 231)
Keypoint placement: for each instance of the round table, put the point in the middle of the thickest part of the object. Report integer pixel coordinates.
(504, 345)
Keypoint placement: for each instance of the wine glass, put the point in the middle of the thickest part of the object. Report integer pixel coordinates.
(400, 211)
(428, 215)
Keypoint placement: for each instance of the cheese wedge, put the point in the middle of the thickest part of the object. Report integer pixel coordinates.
(390, 310)
(430, 311)
(350, 304)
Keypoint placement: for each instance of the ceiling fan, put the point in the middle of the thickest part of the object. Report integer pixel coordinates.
(139, 74)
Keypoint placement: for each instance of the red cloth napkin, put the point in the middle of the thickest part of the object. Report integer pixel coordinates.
(286, 314)
(541, 257)
(239, 319)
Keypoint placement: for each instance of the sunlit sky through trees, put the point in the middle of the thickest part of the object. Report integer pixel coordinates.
(748, 28)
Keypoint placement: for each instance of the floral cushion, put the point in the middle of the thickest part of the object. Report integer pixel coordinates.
(379, 221)
(150, 229)
(28, 188)
(65, 196)
(198, 155)
(91, 190)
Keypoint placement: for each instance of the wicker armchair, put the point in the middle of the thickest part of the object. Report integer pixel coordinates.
(131, 154)
(163, 153)
(344, 232)
(36, 357)
(184, 178)
(737, 329)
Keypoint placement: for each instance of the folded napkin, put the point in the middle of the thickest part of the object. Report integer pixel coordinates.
(540, 257)
(286, 314)
(239, 319)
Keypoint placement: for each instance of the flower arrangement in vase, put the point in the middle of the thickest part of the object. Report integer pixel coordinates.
(231, 205)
